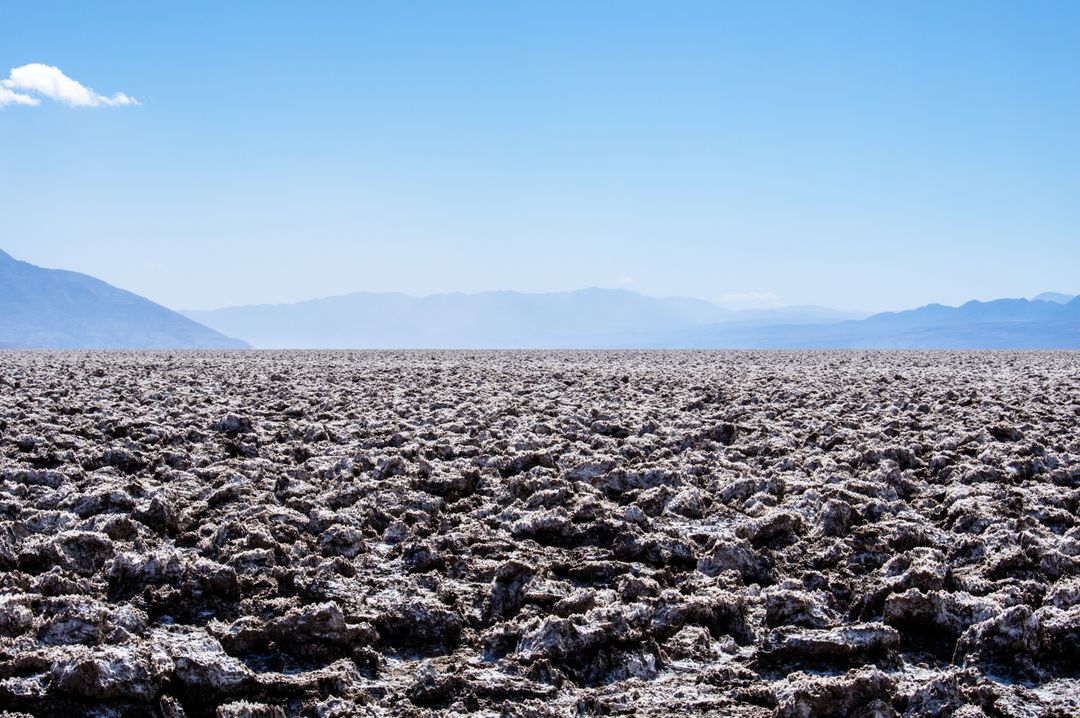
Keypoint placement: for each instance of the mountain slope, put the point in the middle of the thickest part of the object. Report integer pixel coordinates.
(57, 309)
(585, 318)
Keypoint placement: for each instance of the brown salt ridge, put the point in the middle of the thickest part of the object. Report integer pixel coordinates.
(540, 534)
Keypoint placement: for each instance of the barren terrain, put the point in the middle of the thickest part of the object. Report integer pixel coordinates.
(540, 534)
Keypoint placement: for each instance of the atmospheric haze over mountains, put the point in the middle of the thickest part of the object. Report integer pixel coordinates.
(50, 308)
(612, 318)
(585, 318)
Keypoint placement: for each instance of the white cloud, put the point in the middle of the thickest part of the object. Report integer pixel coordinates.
(50, 82)
(8, 97)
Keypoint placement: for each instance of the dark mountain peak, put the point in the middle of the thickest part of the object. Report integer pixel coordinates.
(53, 308)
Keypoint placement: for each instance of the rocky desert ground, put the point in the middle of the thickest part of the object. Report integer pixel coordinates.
(539, 534)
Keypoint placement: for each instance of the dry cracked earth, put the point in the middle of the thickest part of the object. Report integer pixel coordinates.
(539, 534)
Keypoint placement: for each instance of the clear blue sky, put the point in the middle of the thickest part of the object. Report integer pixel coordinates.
(870, 155)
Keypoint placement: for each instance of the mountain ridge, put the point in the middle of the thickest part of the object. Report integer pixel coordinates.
(1058, 297)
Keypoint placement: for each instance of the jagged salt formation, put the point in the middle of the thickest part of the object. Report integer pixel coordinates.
(536, 534)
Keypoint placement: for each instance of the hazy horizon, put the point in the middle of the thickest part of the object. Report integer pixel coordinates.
(744, 306)
(863, 157)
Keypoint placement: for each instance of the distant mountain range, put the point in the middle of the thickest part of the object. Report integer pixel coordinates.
(613, 318)
(585, 318)
(59, 309)
(52, 308)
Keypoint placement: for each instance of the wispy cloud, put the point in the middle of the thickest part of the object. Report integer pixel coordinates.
(739, 297)
(27, 84)
(748, 300)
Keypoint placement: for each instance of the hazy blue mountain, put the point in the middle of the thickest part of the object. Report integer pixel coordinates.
(1054, 297)
(53, 308)
(794, 315)
(585, 318)
(999, 324)
(606, 318)
(489, 319)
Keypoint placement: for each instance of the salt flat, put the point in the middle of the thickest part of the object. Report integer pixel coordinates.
(535, 534)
